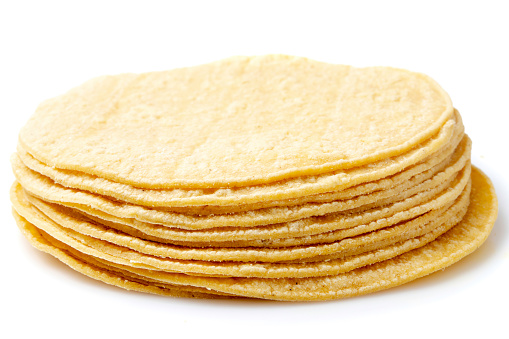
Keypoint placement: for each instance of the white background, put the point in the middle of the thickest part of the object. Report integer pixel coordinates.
(48, 47)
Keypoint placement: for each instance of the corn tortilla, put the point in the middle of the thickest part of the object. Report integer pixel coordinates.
(458, 242)
(206, 126)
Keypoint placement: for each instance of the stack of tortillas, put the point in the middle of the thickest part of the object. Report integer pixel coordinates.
(269, 177)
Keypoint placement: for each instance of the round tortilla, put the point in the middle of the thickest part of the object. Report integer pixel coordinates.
(236, 122)
(46, 189)
(451, 132)
(169, 199)
(447, 249)
(116, 243)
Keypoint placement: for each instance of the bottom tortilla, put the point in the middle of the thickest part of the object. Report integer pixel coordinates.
(458, 242)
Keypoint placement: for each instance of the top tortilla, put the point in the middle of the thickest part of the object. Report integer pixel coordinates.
(236, 122)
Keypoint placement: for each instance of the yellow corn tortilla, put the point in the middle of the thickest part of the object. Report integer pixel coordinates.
(458, 242)
(236, 122)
